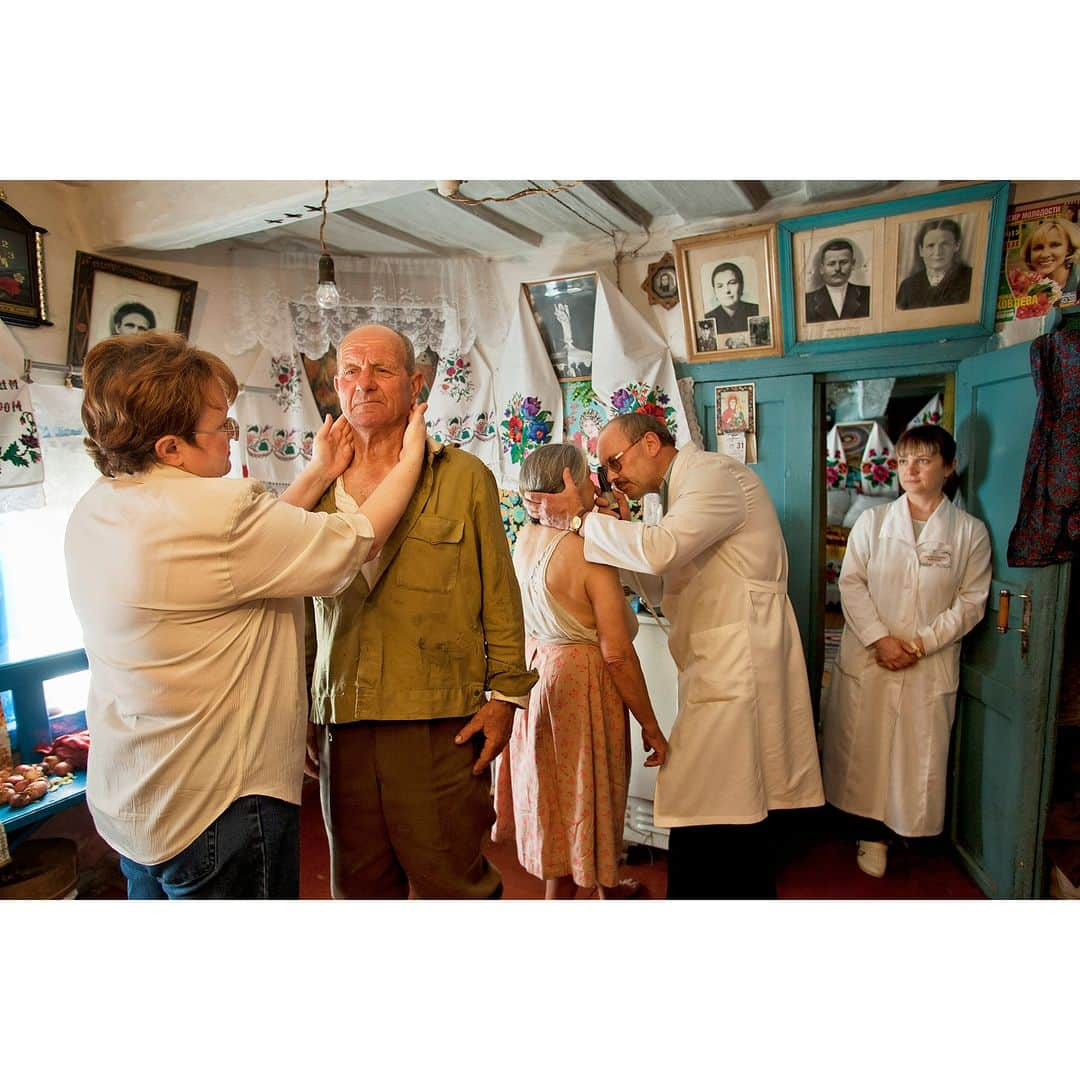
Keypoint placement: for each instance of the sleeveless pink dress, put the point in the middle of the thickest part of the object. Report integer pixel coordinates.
(561, 782)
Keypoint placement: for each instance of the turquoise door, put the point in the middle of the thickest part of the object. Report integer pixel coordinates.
(785, 442)
(1006, 699)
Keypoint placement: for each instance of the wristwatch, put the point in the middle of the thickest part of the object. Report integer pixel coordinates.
(576, 522)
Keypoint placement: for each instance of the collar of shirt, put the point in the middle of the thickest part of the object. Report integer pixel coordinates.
(936, 279)
(837, 292)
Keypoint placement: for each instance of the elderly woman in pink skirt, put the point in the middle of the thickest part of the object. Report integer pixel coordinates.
(562, 781)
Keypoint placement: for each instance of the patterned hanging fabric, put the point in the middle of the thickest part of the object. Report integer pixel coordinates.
(1047, 529)
(21, 472)
(930, 413)
(631, 372)
(879, 465)
(277, 428)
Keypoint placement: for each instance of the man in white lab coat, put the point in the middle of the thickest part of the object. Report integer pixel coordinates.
(743, 741)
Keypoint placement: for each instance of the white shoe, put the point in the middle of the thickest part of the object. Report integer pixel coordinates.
(872, 857)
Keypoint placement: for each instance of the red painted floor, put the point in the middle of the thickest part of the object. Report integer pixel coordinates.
(815, 860)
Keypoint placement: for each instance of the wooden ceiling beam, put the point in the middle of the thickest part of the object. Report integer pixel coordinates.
(754, 192)
(389, 231)
(616, 198)
(496, 220)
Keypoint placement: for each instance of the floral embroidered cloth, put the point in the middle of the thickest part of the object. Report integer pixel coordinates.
(631, 372)
(21, 470)
(461, 405)
(277, 428)
(930, 413)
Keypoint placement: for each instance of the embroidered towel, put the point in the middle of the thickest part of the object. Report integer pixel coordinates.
(21, 472)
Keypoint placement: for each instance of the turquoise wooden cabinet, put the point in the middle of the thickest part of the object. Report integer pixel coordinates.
(1003, 740)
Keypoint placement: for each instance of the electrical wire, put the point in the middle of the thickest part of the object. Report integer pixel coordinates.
(536, 190)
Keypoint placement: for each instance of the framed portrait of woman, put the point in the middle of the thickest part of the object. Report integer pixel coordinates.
(937, 263)
(893, 273)
(731, 304)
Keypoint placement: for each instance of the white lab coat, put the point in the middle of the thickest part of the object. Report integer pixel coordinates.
(743, 741)
(887, 732)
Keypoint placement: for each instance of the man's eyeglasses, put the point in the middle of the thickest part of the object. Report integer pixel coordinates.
(614, 463)
(230, 428)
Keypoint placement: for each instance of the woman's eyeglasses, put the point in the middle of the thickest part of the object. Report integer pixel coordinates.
(230, 428)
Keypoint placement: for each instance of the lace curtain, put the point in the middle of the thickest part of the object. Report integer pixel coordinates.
(446, 305)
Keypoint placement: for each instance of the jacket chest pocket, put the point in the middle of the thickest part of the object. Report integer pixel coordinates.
(430, 555)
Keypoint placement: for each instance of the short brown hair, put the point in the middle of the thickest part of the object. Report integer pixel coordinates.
(139, 387)
(636, 425)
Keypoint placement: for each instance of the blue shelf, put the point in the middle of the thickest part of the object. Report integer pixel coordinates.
(65, 796)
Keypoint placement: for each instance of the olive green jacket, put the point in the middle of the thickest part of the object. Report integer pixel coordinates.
(441, 624)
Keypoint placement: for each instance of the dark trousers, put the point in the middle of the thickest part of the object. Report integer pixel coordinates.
(721, 862)
(404, 812)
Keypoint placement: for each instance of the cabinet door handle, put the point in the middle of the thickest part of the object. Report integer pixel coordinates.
(1003, 611)
(1025, 624)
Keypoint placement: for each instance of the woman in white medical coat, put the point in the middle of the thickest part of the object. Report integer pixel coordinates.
(914, 581)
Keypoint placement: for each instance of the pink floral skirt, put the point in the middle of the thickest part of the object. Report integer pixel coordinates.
(561, 782)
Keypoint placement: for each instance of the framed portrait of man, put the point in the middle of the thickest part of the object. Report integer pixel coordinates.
(564, 309)
(925, 267)
(111, 297)
(731, 304)
(838, 281)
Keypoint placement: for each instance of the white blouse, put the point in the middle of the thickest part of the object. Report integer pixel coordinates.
(189, 593)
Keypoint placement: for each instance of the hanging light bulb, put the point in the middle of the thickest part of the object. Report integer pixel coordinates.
(326, 293)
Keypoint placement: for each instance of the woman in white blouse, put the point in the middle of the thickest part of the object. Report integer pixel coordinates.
(914, 581)
(189, 590)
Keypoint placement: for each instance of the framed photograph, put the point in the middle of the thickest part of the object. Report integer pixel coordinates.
(898, 272)
(838, 280)
(661, 284)
(731, 304)
(1040, 266)
(112, 297)
(564, 309)
(735, 409)
(22, 270)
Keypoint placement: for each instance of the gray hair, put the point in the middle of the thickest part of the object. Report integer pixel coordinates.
(542, 470)
(408, 353)
(636, 425)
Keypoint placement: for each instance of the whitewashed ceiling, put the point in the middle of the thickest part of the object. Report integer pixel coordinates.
(409, 217)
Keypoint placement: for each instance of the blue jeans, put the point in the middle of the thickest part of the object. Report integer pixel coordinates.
(251, 852)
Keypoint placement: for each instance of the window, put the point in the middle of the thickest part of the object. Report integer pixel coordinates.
(36, 617)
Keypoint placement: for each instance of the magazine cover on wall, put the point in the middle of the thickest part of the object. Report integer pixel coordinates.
(930, 263)
(1041, 260)
(731, 305)
(564, 309)
(839, 278)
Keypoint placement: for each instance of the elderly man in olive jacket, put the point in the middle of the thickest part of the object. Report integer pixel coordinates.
(404, 730)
